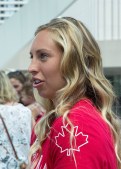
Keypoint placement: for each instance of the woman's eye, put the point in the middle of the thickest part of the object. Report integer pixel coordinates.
(43, 56)
(31, 56)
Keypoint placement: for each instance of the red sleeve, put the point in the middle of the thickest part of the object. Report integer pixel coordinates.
(93, 147)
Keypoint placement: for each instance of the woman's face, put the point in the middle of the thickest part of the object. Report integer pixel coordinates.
(16, 84)
(45, 65)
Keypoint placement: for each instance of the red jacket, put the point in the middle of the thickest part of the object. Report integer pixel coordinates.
(93, 147)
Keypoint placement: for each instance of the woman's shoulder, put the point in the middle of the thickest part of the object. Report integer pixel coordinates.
(91, 136)
(84, 117)
(86, 113)
(16, 111)
(20, 107)
(82, 111)
(89, 130)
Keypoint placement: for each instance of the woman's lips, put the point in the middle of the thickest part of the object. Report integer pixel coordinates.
(37, 83)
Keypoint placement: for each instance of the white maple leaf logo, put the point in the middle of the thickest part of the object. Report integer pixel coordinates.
(64, 137)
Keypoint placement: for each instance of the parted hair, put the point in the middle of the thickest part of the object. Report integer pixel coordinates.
(18, 74)
(7, 91)
(81, 67)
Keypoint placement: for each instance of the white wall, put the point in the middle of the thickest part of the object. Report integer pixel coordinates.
(111, 53)
(18, 30)
(103, 17)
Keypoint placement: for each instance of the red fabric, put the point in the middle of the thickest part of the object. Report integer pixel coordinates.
(33, 136)
(94, 143)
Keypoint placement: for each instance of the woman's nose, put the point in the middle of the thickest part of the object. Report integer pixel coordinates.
(32, 68)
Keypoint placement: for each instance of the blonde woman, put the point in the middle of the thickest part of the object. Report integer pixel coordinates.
(15, 127)
(78, 129)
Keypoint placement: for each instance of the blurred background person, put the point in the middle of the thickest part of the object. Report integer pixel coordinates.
(28, 99)
(27, 96)
(17, 79)
(17, 119)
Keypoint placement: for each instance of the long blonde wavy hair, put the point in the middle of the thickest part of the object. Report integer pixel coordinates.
(81, 66)
(7, 92)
